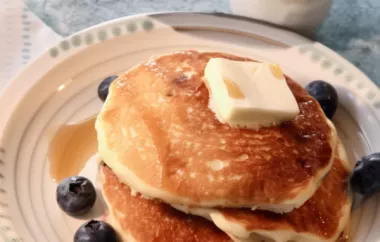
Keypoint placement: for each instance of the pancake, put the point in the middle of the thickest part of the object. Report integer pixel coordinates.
(322, 218)
(137, 219)
(159, 136)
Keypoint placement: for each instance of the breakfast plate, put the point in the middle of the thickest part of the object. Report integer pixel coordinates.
(60, 87)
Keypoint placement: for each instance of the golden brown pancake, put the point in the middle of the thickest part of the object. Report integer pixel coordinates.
(140, 220)
(157, 133)
(322, 218)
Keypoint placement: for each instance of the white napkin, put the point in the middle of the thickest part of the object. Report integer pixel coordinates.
(22, 37)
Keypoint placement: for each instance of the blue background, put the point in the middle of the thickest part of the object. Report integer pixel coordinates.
(352, 28)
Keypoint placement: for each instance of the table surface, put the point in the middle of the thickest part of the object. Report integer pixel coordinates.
(352, 28)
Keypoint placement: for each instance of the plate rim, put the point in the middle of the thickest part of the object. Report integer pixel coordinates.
(30, 64)
(4, 93)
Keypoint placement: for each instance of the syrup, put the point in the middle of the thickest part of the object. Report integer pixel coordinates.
(70, 148)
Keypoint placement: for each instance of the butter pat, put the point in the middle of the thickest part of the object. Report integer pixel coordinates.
(249, 94)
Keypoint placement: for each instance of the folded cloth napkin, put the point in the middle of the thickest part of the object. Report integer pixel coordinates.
(23, 37)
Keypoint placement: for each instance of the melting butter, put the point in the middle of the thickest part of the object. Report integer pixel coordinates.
(249, 94)
(276, 71)
(233, 90)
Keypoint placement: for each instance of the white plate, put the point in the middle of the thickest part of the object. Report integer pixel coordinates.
(61, 86)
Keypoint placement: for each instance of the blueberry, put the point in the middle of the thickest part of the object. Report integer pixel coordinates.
(104, 86)
(366, 177)
(95, 231)
(326, 95)
(76, 195)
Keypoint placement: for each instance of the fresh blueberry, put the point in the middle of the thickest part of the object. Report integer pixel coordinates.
(95, 231)
(104, 86)
(76, 195)
(326, 95)
(366, 177)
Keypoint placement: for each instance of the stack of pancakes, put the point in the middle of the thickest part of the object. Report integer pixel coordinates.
(173, 172)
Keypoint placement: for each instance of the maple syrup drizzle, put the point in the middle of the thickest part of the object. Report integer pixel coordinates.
(70, 148)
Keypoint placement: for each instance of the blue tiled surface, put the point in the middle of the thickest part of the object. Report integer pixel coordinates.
(352, 29)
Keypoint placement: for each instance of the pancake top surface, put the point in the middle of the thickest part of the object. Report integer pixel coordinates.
(156, 124)
(324, 215)
(150, 220)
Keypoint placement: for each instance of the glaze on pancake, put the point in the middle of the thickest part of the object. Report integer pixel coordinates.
(322, 218)
(158, 135)
(139, 220)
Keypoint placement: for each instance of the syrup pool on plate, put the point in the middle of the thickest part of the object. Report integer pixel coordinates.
(73, 151)
(74, 144)
(71, 147)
